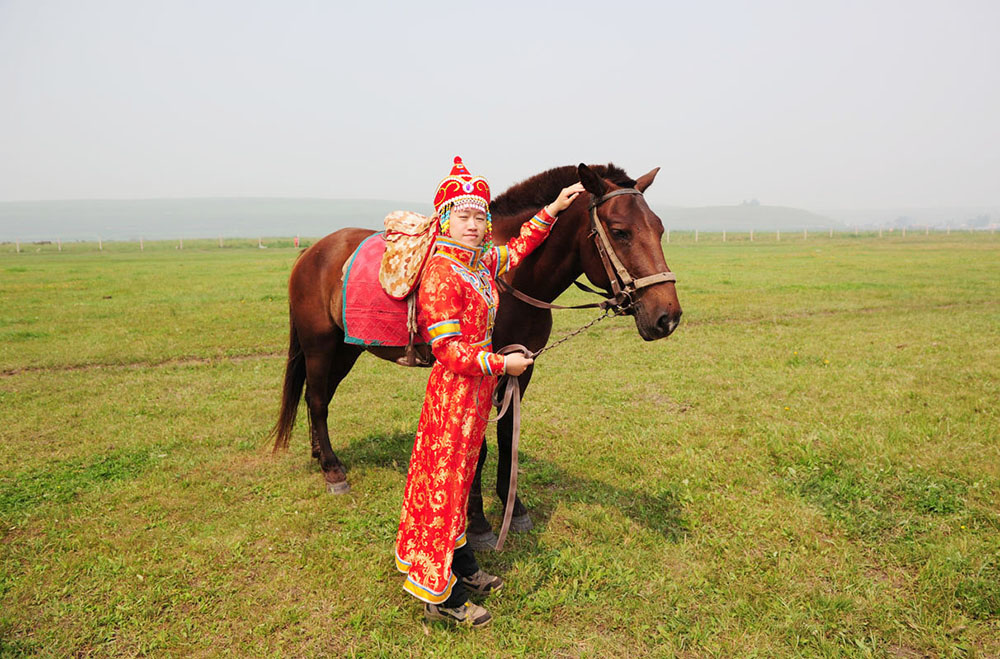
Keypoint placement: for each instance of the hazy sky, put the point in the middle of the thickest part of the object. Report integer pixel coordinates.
(819, 105)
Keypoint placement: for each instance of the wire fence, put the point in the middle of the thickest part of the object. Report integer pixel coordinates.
(695, 235)
(670, 236)
(141, 246)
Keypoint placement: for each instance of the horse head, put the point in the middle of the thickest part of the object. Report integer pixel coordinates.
(634, 235)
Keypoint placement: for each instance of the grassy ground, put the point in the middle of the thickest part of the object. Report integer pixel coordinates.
(809, 466)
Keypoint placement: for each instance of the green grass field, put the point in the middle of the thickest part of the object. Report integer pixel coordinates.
(808, 467)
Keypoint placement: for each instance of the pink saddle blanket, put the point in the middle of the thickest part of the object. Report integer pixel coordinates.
(371, 317)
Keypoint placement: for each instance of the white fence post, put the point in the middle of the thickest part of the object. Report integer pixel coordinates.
(723, 235)
(751, 235)
(696, 235)
(778, 235)
(100, 244)
(668, 236)
(60, 243)
(141, 248)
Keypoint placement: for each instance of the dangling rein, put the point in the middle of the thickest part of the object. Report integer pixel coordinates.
(510, 399)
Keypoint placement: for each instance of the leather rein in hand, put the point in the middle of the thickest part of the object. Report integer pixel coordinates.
(623, 288)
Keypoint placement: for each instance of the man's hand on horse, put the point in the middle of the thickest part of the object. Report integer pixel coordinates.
(565, 198)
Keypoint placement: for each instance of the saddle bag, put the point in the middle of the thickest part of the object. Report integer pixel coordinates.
(409, 241)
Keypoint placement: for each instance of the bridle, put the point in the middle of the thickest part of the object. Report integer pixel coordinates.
(623, 285)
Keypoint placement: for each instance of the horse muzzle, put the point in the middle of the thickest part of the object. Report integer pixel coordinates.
(657, 323)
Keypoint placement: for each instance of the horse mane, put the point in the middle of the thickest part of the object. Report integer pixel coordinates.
(540, 189)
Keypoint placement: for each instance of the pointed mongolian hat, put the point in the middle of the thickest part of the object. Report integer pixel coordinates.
(460, 189)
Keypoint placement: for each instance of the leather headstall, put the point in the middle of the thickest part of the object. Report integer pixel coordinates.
(623, 285)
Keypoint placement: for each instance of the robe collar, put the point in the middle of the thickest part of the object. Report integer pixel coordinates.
(467, 256)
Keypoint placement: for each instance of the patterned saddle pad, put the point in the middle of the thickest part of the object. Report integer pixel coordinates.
(409, 241)
(371, 317)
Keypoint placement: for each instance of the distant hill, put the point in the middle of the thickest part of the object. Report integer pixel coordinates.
(956, 217)
(190, 218)
(745, 217)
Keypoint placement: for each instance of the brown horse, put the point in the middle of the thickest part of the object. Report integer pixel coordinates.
(319, 358)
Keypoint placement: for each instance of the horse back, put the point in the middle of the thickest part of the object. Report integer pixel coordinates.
(315, 285)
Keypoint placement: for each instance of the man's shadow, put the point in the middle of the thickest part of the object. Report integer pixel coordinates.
(543, 483)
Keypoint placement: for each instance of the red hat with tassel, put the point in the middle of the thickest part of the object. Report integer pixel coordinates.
(460, 189)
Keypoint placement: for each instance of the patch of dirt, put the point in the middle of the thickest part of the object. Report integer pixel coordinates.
(139, 365)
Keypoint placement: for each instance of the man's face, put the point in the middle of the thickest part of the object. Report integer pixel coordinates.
(468, 226)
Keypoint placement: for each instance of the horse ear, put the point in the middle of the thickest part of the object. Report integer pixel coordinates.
(591, 181)
(646, 180)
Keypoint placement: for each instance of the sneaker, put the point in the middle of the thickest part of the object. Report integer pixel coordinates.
(468, 614)
(482, 583)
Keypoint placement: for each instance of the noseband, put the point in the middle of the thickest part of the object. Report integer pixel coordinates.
(623, 285)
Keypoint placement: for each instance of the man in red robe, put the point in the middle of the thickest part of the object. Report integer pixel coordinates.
(457, 303)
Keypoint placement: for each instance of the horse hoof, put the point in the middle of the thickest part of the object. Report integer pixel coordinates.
(521, 523)
(482, 541)
(343, 487)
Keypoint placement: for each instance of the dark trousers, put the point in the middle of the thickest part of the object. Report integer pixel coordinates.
(463, 564)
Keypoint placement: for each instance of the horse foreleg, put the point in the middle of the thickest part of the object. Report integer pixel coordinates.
(478, 532)
(324, 372)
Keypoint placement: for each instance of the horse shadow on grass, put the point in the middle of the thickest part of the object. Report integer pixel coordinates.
(543, 484)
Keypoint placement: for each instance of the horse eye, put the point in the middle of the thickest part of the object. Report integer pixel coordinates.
(620, 234)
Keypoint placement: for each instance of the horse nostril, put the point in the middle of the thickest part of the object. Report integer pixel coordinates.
(666, 324)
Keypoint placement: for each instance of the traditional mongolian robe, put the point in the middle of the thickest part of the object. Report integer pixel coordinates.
(457, 303)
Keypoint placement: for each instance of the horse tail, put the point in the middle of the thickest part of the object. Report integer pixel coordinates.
(291, 393)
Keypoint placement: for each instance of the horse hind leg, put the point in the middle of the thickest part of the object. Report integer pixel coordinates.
(324, 372)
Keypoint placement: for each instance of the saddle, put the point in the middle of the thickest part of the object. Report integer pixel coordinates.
(380, 286)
